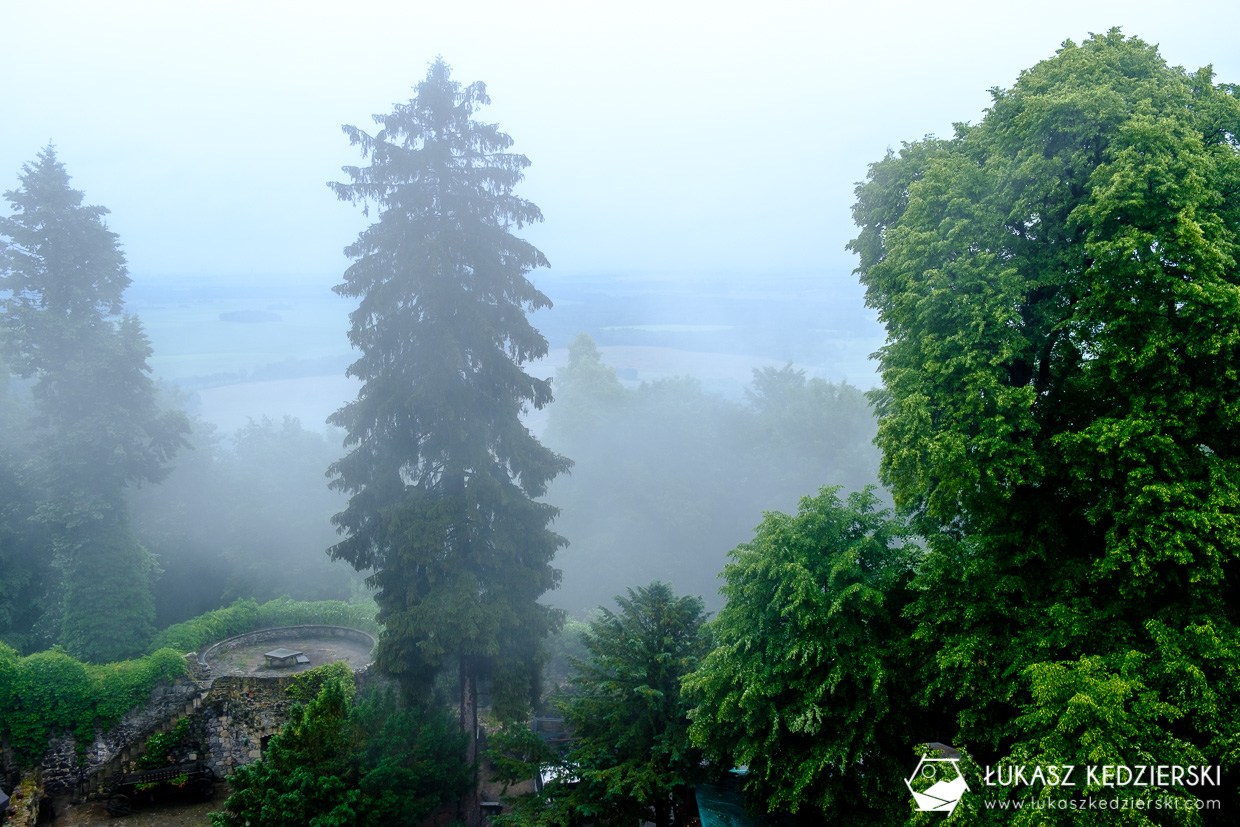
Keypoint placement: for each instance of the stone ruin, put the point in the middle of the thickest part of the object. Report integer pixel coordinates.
(231, 715)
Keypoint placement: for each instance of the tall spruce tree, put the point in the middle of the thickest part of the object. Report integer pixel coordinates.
(442, 474)
(97, 426)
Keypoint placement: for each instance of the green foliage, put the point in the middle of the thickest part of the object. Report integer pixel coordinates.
(193, 634)
(306, 686)
(630, 724)
(97, 426)
(286, 612)
(588, 394)
(669, 476)
(340, 764)
(630, 756)
(564, 648)
(51, 693)
(517, 752)
(161, 744)
(1061, 415)
(106, 594)
(811, 673)
(246, 616)
(442, 474)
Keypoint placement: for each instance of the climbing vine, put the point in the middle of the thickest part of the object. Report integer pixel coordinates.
(306, 686)
(50, 693)
(161, 744)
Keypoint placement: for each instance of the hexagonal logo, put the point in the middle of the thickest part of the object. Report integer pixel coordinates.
(937, 784)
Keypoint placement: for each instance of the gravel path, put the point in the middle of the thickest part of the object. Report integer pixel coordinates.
(158, 814)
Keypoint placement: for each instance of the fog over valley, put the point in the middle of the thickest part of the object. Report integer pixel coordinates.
(673, 414)
(242, 352)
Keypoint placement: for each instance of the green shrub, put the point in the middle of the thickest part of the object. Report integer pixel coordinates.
(349, 762)
(246, 616)
(191, 635)
(50, 693)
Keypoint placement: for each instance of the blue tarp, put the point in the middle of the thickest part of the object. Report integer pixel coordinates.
(722, 805)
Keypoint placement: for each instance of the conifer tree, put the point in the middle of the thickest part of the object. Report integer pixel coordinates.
(442, 474)
(97, 426)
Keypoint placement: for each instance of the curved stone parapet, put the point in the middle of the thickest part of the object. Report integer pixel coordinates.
(283, 634)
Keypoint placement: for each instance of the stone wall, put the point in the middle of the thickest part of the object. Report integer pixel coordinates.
(241, 713)
(66, 772)
(230, 719)
(281, 633)
(237, 718)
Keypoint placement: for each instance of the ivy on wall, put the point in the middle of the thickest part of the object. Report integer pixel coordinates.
(161, 744)
(50, 693)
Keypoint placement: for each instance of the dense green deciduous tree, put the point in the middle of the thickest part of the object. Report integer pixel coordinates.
(1061, 416)
(442, 474)
(668, 476)
(98, 426)
(341, 764)
(630, 759)
(810, 676)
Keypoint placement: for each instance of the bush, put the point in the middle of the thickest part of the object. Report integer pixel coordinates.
(49, 693)
(364, 764)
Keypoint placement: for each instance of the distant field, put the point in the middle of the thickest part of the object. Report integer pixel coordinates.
(252, 349)
(312, 399)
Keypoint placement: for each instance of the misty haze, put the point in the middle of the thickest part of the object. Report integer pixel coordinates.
(681, 415)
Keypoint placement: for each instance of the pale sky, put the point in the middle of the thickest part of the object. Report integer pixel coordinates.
(670, 137)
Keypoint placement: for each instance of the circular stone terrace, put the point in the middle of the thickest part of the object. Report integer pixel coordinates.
(287, 650)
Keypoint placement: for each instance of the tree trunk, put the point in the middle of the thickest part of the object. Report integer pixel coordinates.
(470, 809)
(663, 813)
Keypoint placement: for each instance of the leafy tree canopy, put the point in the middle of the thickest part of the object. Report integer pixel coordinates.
(811, 669)
(1061, 293)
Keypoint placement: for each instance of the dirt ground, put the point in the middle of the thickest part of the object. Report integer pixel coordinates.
(249, 660)
(172, 812)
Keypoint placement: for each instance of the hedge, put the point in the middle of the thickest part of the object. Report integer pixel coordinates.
(49, 693)
(246, 616)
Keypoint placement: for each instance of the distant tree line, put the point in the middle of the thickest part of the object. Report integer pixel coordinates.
(246, 515)
(668, 476)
